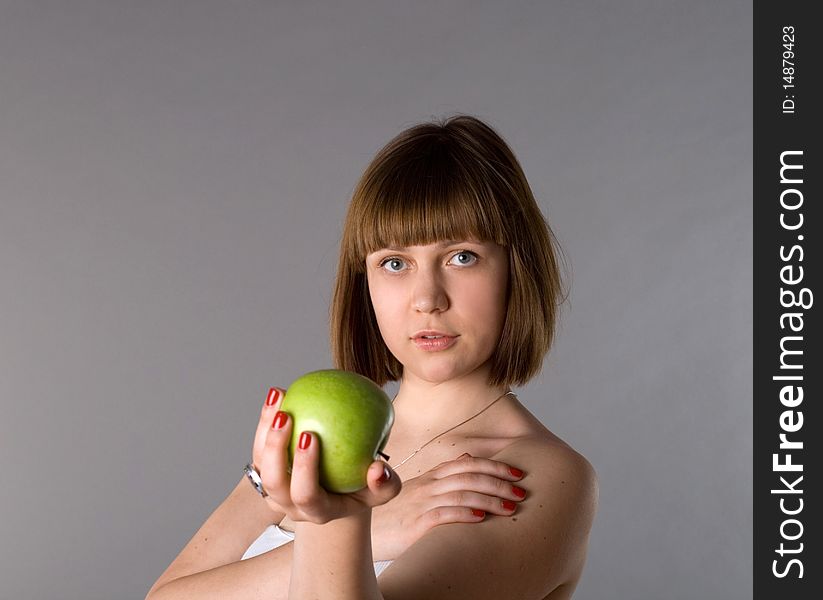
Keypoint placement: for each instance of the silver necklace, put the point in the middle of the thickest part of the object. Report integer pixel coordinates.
(448, 430)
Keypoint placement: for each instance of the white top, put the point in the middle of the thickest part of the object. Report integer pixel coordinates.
(273, 537)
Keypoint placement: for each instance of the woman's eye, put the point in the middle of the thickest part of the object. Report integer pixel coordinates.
(391, 260)
(461, 255)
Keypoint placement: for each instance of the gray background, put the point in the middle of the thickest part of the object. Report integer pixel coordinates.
(173, 179)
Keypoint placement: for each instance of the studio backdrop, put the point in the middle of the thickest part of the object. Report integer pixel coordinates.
(173, 180)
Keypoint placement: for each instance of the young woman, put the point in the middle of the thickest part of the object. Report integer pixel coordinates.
(448, 282)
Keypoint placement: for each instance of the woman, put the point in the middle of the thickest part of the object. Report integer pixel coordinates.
(448, 282)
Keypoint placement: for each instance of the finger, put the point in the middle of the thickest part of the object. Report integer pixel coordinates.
(306, 492)
(270, 407)
(440, 515)
(274, 459)
(383, 483)
(478, 490)
(473, 500)
(467, 462)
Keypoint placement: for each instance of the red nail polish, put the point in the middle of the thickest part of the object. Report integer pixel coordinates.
(385, 476)
(279, 420)
(273, 397)
(519, 492)
(515, 472)
(305, 440)
(478, 513)
(508, 504)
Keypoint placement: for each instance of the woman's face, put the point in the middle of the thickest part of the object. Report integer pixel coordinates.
(456, 288)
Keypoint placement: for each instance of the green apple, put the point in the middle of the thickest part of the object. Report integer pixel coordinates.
(352, 417)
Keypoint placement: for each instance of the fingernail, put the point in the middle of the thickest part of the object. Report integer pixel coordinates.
(518, 491)
(273, 397)
(305, 440)
(515, 472)
(279, 420)
(478, 513)
(508, 504)
(385, 476)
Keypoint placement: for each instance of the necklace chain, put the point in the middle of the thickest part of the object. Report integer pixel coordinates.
(449, 429)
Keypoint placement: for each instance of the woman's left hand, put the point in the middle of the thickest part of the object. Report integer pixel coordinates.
(299, 494)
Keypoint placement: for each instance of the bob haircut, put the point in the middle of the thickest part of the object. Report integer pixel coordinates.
(449, 180)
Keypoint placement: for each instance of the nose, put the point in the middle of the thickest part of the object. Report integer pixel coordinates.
(429, 295)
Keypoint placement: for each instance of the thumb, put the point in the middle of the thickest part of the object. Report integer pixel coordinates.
(383, 482)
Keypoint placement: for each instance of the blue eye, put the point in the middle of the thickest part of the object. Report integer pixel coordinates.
(391, 259)
(466, 253)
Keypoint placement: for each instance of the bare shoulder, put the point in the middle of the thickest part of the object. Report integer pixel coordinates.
(552, 465)
(534, 444)
(560, 507)
(545, 451)
(537, 553)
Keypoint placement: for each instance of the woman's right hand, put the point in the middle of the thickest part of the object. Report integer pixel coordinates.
(462, 490)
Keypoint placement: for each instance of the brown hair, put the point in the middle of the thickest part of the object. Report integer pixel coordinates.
(452, 179)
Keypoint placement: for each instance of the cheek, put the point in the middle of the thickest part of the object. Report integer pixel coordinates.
(386, 305)
(488, 298)
(492, 309)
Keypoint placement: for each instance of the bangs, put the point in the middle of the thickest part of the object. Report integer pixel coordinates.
(425, 200)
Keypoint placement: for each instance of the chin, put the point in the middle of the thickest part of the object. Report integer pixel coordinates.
(435, 371)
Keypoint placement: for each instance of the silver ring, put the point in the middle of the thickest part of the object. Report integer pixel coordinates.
(254, 478)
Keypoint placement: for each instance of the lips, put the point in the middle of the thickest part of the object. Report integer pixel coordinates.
(432, 333)
(434, 341)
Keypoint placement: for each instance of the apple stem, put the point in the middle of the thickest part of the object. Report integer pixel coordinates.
(386, 457)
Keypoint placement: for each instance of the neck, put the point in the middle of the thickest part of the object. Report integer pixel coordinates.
(423, 409)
